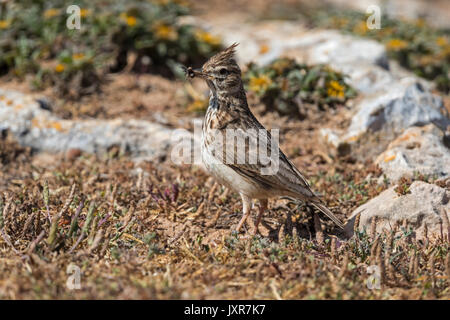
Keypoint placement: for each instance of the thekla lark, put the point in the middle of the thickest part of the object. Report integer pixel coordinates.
(228, 110)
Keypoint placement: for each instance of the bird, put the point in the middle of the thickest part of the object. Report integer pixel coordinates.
(228, 115)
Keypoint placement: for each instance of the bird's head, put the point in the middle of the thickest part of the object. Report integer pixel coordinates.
(221, 72)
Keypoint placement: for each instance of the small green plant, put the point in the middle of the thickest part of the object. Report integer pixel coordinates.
(287, 87)
(142, 36)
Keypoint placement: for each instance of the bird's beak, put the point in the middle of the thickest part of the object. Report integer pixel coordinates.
(192, 73)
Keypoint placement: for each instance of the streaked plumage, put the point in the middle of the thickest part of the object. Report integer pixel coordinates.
(228, 109)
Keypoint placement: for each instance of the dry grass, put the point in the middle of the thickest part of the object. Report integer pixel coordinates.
(148, 231)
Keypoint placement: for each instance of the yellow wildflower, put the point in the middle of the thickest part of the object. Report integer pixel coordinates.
(129, 20)
(260, 84)
(396, 44)
(198, 105)
(361, 28)
(335, 89)
(441, 41)
(50, 13)
(166, 32)
(4, 24)
(59, 68)
(85, 12)
(78, 56)
(207, 37)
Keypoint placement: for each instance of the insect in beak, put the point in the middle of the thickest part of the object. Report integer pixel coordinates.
(192, 73)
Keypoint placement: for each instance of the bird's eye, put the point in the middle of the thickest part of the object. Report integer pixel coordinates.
(223, 72)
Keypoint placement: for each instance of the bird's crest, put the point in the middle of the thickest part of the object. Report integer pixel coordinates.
(226, 56)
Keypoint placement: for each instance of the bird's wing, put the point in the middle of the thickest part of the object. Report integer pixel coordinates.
(252, 152)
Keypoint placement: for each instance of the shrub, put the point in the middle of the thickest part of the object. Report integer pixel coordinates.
(287, 87)
(145, 35)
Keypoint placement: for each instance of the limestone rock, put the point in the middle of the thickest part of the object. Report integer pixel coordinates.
(36, 127)
(398, 108)
(423, 205)
(418, 149)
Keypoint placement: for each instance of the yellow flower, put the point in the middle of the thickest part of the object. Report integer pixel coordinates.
(166, 32)
(361, 28)
(441, 41)
(335, 89)
(396, 44)
(260, 84)
(4, 24)
(198, 105)
(78, 56)
(50, 13)
(85, 12)
(207, 38)
(129, 20)
(59, 68)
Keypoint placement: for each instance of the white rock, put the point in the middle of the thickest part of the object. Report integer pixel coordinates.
(35, 127)
(422, 206)
(288, 38)
(417, 150)
(399, 107)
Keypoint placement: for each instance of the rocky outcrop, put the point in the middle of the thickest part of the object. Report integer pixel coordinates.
(417, 150)
(396, 109)
(33, 125)
(423, 205)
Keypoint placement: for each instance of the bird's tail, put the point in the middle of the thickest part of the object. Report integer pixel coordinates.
(328, 213)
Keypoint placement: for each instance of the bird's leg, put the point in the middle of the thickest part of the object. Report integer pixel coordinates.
(246, 205)
(262, 208)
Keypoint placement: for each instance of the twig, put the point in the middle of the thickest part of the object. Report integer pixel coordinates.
(446, 222)
(35, 242)
(274, 290)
